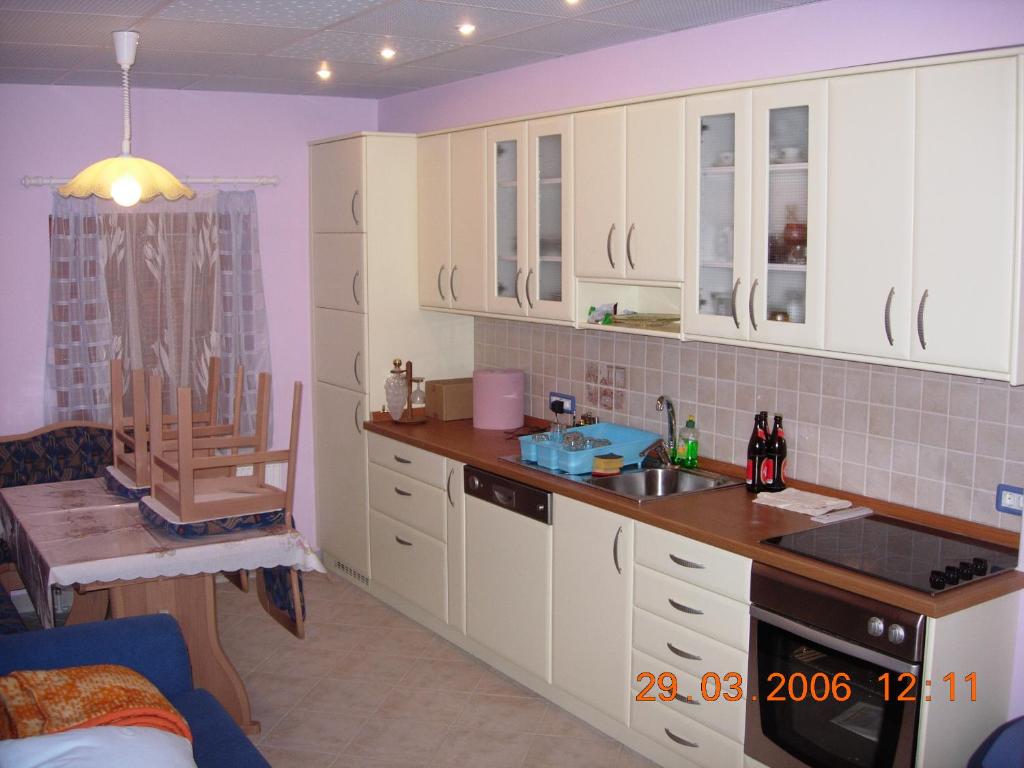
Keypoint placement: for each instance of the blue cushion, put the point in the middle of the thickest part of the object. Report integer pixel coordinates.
(216, 741)
(1004, 748)
(151, 645)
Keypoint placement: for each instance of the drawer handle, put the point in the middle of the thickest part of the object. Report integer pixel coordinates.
(615, 550)
(685, 608)
(684, 563)
(359, 426)
(352, 207)
(451, 283)
(448, 487)
(680, 740)
(400, 460)
(355, 296)
(355, 368)
(629, 246)
(440, 291)
(400, 492)
(687, 699)
(608, 246)
(403, 542)
(888, 315)
(683, 654)
(920, 320)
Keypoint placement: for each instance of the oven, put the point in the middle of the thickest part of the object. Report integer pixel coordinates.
(824, 678)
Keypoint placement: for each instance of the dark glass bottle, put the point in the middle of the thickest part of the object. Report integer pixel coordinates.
(756, 451)
(774, 470)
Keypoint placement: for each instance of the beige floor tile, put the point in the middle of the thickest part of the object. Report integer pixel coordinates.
(631, 759)
(424, 703)
(276, 690)
(444, 675)
(401, 642)
(492, 681)
(314, 730)
(398, 738)
(570, 752)
(558, 722)
(503, 713)
(360, 761)
(351, 696)
(302, 661)
(317, 586)
(296, 758)
(469, 748)
(383, 667)
(442, 650)
(267, 715)
(359, 615)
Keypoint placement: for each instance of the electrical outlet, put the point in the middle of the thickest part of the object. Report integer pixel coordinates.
(1010, 499)
(568, 402)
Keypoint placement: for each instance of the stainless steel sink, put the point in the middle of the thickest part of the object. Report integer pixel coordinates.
(647, 484)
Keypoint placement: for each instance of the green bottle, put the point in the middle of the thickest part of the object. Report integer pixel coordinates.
(688, 440)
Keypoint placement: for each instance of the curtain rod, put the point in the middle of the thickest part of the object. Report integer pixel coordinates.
(256, 181)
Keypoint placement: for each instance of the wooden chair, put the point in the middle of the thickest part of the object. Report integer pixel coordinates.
(181, 479)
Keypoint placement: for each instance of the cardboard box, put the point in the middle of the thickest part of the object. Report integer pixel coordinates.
(450, 399)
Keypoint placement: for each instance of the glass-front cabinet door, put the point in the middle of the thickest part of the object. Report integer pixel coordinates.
(548, 283)
(718, 215)
(507, 196)
(786, 298)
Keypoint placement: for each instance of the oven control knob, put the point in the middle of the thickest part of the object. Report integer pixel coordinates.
(896, 634)
(937, 580)
(473, 483)
(876, 627)
(952, 575)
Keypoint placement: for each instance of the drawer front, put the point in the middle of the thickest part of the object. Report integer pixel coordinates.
(705, 612)
(725, 717)
(412, 462)
(694, 561)
(339, 348)
(339, 272)
(408, 562)
(685, 649)
(414, 503)
(685, 736)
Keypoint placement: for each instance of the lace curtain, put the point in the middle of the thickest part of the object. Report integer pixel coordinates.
(165, 286)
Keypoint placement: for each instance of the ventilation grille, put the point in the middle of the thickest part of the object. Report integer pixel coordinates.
(336, 565)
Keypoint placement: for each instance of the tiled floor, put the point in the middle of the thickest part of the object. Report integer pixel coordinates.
(369, 688)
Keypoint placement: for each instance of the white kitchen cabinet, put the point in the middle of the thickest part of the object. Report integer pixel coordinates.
(468, 276)
(966, 208)
(337, 187)
(593, 589)
(339, 340)
(870, 213)
(433, 219)
(507, 218)
(455, 495)
(600, 200)
(409, 562)
(339, 271)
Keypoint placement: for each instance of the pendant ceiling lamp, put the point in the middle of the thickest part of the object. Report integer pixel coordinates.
(126, 179)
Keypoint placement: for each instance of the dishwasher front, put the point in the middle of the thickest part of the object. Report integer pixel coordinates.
(508, 569)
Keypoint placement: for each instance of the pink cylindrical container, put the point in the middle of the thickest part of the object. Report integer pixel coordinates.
(498, 399)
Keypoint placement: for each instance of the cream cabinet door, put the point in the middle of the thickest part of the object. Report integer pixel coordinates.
(549, 282)
(337, 186)
(965, 209)
(339, 271)
(599, 137)
(468, 274)
(654, 180)
(786, 300)
(870, 213)
(592, 605)
(339, 340)
(455, 496)
(341, 498)
(507, 219)
(433, 215)
(717, 215)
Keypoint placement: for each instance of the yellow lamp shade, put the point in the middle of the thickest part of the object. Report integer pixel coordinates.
(126, 180)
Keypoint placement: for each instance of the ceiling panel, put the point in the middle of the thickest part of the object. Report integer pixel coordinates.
(484, 58)
(343, 46)
(418, 77)
(358, 91)
(38, 56)
(134, 8)
(566, 37)
(59, 28)
(555, 8)
(113, 79)
(437, 21)
(249, 85)
(670, 15)
(301, 14)
(203, 36)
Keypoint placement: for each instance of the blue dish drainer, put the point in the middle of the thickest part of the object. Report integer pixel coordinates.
(625, 441)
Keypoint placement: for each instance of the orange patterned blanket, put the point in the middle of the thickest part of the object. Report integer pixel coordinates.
(55, 700)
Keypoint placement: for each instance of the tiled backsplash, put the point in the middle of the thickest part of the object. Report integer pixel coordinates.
(933, 441)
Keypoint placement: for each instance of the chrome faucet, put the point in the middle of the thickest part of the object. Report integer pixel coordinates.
(664, 404)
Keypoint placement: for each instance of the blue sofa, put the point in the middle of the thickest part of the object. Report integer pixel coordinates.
(154, 647)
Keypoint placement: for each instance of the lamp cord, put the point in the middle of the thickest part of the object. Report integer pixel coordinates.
(126, 142)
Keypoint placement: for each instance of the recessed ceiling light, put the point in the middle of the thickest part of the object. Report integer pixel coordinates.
(324, 73)
(387, 53)
(466, 29)
(571, 2)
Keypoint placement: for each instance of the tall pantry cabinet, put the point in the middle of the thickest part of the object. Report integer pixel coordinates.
(363, 249)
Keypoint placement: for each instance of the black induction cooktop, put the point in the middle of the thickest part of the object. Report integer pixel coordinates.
(910, 555)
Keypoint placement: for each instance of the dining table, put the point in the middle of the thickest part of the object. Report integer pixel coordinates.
(79, 534)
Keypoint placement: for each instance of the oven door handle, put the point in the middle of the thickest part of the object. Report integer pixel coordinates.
(834, 643)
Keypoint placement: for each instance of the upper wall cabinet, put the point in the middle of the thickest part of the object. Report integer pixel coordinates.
(507, 220)
(337, 188)
(629, 192)
(433, 220)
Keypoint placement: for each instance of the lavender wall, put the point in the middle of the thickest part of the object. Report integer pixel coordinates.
(819, 36)
(55, 131)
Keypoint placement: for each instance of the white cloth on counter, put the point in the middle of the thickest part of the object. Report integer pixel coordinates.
(804, 502)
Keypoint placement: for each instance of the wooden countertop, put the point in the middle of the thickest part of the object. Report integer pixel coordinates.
(725, 518)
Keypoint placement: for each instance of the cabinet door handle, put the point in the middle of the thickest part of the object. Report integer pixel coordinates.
(401, 460)
(519, 273)
(608, 247)
(355, 367)
(403, 542)
(359, 426)
(683, 654)
(629, 249)
(685, 608)
(448, 486)
(685, 563)
(735, 290)
(888, 314)
(529, 274)
(615, 550)
(451, 283)
(352, 207)
(355, 296)
(400, 492)
(680, 739)
(750, 304)
(440, 291)
(920, 319)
